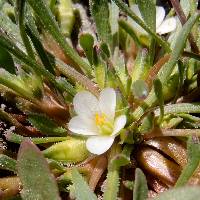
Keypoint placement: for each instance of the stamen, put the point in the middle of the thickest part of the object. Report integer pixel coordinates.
(100, 119)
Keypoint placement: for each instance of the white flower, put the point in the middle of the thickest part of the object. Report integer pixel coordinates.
(162, 25)
(96, 119)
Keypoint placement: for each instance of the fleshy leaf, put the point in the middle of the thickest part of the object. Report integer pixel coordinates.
(82, 190)
(15, 138)
(193, 163)
(36, 178)
(48, 20)
(148, 11)
(6, 61)
(87, 42)
(140, 187)
(7, 163)
(46, 125)
(183, 193)
(100, 12)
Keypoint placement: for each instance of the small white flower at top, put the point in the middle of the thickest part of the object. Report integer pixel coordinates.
(96, 119)
(163, 25)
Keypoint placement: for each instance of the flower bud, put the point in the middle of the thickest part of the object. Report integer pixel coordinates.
(72, 150)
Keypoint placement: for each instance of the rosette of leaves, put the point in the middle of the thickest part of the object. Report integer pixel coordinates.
(50, 50)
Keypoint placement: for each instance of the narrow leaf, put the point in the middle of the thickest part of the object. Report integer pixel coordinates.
(36, 178)
(47, 18)
(159, 94)
(167, 69)
(100, 13)
(182, 193)
(46, 125)
(180, 108)
(140, 187)
(112, 185)
(129, 30)
(20, 15)
(148, 11)
(87, 41)
(82, 190)
(41, 51)
(7, 163)
(12, 137)
(6, 61)
(193, 163)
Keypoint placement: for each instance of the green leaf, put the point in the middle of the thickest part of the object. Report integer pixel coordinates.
(100, 13)
(65, 86)
(105, 52)
(20, 15)
(6, 61)
(82, 190)
(140, 187)
(167, 69)
(121, 159)
(46, 125)
(11, 29)
(129, 30)
(87, 41)
(15, 83)
(66, 16)
(34, 173)
(44, 56)
(12, 137)
(192, 164)
(47, 19)
(182, 193)
(113, 17)
(180, 108)
(148, 11)
(112, 185)
(7, 43)
(140, 67)
(159, 94)
(7, 163)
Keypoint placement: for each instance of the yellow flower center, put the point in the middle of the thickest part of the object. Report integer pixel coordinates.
(105, 126)
(100, 119)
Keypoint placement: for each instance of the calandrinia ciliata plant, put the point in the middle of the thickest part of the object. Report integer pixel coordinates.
(95, 103)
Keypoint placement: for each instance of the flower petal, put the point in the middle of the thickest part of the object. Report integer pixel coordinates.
(85, 104)
(82, 126)
(137, 27)
(107, 102)
(119, 124)
(160, 15)
(99, 144)
(168, 25)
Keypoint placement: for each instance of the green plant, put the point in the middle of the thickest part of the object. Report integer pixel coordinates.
(100, 107)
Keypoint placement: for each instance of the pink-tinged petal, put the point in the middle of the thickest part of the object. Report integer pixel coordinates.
(119, 124)
(137, 27)
(168, 25)
(82, 126)
(85, 104)
(107, 102)
(99, 144)
(160, 15)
